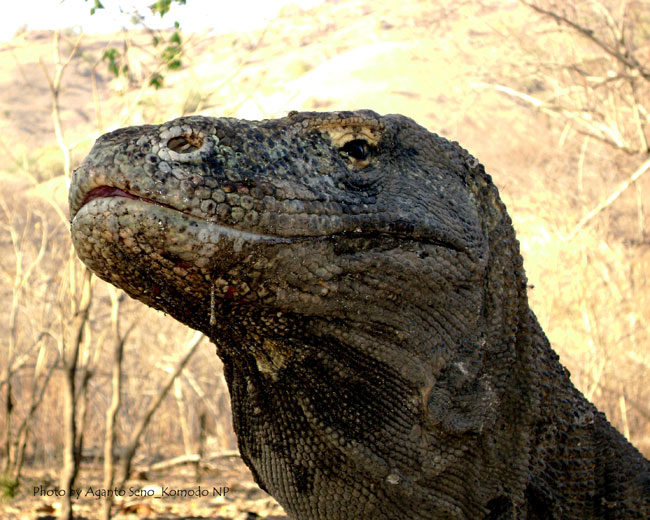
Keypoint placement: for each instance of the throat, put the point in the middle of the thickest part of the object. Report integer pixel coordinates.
(309, 406)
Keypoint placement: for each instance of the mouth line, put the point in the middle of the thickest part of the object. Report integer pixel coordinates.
(111, 191)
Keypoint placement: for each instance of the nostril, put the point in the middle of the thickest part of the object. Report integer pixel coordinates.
(185, 143)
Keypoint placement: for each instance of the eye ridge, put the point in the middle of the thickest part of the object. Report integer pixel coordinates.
(357, 149)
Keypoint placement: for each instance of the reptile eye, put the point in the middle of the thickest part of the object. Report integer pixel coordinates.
(357, 149)
(185, 144)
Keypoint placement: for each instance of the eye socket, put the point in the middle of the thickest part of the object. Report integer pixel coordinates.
(357, 149)
(185, 144)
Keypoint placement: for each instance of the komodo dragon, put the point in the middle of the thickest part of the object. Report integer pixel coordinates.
(364, 287)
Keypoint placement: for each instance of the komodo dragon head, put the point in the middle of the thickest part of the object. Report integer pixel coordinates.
(362, 282)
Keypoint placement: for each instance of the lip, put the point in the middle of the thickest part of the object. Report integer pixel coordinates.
(110, 191)
(199, 225)
(398, 233)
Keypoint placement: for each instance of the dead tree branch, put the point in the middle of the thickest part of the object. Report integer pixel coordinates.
(609, 200)
(116, 382)
(70, 356)
(55, 89)
(629, 61)
(139, 429)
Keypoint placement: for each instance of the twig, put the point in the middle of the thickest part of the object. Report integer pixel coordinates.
(628, 61)
(191, 458)
(55, 89)
(598, 131)
(134, 441)
(70, 358)
(609, 200)
(20, 279)
(111, 412)
(25, 427)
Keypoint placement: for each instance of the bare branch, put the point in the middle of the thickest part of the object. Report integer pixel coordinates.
(55, 89)
(70, 356)
(138, 430)
(609, 200)
(628, 61)
(591, 127)
(37, 396)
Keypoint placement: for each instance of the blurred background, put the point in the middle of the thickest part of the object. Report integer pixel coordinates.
(552, 97)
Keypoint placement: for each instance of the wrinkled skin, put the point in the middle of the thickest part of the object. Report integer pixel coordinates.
(362, 282)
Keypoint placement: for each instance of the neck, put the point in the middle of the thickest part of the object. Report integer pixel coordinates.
(579, 462)
(375, 411)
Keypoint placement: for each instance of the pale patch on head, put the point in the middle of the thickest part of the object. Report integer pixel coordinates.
(339, 135)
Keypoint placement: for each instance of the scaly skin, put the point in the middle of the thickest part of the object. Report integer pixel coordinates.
(363, 284)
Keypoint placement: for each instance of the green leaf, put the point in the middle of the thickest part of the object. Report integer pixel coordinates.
(97, 5)
(162, 7)
(8, 487)
(156, 81)
(112, 58)
(171, 56)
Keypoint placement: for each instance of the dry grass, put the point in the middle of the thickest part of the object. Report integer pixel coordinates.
(42, 318)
